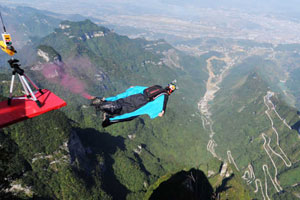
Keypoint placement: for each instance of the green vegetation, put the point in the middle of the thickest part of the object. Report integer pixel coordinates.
(289, 193)
(242, 98)
(44, 142)
(155, 185)
(66, 154)
(26, 25)
(215, 187)
(191, 184)
(112, 166)
(290, 177)
(12, 164)
(293, 82)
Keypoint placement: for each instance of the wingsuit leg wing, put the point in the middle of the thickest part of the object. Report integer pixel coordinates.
(107, 122)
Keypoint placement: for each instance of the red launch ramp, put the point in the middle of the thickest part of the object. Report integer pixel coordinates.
(22, 109)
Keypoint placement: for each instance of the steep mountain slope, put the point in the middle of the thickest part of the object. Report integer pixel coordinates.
(79, 59)
(216, 180)
(252, 128)
(278, 64)
(123, 62)
(25, 24)
(45, 159)
(244, 119)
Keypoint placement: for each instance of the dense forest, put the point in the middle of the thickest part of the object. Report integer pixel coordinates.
(66, 154)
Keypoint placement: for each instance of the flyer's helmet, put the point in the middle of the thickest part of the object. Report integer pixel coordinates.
(171, 88)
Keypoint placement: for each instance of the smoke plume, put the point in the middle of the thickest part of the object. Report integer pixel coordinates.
(58, 73)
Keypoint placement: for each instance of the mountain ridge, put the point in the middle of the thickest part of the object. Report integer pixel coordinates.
(107, 64)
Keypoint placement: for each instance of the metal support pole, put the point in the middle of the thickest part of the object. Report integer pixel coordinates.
(11, 89)
(28, 87)
(24, 86)
(11, 85)
(34, 85)
(31, 92)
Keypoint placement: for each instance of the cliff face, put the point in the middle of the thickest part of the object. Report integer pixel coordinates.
(45, 158)
(81, 156)
(192, 184)
(78, 153)
(221, 181)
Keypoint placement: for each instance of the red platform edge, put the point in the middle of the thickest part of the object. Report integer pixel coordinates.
(22, 109)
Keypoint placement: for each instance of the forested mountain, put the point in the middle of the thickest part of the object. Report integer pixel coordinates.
(233, 120)
(77, 157)
(249, 111)
(261, 123)
(25, 24)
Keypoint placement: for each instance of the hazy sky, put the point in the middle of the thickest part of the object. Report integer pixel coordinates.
(166, 7)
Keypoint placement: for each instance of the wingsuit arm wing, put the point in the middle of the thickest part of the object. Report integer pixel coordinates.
(128, 92)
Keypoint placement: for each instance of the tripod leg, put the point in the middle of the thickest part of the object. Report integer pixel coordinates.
(34, 85)
(24, 87)
(11, 89)
(31, 93)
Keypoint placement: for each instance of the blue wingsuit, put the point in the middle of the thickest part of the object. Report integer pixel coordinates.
(151, 108)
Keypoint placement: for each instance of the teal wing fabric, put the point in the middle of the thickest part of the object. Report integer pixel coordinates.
(130, 91)
(152, 109)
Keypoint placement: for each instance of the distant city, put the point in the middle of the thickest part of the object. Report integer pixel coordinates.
(279, 23)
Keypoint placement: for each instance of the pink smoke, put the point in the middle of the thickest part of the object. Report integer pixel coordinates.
(58, 74)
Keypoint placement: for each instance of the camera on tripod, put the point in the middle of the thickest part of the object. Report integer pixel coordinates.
(14, 64)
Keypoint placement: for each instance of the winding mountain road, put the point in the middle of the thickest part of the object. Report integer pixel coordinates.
(286, 160)
(257, 188)
(268, 148)
(277, 186)
(249, 175)
(211, 88)
(231, 160)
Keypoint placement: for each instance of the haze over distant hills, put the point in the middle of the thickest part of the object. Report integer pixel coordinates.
(271, 21)
(238, 123)
(167, 7)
